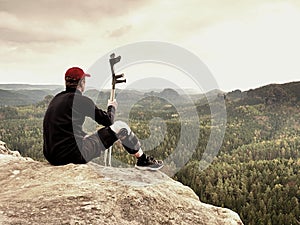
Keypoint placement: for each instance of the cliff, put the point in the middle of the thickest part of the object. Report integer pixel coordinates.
(37, 193)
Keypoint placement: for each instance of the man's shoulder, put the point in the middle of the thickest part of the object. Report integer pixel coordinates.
(83, 99)
(60, 94)
(76, 97)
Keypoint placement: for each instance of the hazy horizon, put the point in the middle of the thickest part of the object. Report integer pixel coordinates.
(140, 88)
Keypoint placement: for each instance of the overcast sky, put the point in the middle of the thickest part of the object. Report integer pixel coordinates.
(244, 43)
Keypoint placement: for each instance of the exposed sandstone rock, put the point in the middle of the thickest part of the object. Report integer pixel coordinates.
(6, 151)
(38, 193)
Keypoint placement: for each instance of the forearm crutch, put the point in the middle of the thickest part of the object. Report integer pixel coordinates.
(115, 80)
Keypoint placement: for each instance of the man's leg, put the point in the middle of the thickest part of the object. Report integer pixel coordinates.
(133, 146)
(94, 144)
(105, 137)
(129, 140)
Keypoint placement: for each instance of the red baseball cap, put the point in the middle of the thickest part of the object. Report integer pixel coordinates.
(75, 73)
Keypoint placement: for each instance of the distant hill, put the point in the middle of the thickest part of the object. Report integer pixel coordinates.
(22, 97)
(12, 98)
(269, 94)
(131, 96)
(29, 87)
(23, 94)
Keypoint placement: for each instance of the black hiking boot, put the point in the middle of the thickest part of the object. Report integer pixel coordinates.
(149, 163)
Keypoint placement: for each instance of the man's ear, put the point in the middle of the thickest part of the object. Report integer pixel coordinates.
(82, 82)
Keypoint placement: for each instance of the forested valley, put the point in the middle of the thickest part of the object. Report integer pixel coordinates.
(256, 171)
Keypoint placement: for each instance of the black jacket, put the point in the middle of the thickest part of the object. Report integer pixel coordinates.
(62, 125)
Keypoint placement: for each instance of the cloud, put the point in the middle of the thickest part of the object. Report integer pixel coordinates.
(21, 36)
(61, 9)
(60, 20)
(58, 33)
(119, 31)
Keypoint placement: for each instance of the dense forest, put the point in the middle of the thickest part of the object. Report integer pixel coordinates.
(256, 172)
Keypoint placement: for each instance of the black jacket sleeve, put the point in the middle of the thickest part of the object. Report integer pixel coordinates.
(105, 118)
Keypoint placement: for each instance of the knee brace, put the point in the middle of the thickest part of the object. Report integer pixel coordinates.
(129, 141)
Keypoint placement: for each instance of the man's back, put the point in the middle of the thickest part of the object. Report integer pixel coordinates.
(60, 129)
(63, 134)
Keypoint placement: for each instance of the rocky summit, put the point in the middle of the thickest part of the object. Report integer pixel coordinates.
(37, 193)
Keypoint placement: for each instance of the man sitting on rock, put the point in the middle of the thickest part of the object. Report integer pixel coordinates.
(66, 142)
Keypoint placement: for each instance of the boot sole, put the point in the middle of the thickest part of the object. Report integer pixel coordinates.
(149, 168)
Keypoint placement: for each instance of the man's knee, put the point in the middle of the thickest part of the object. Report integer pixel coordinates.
(126, 136)
(118, 125)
